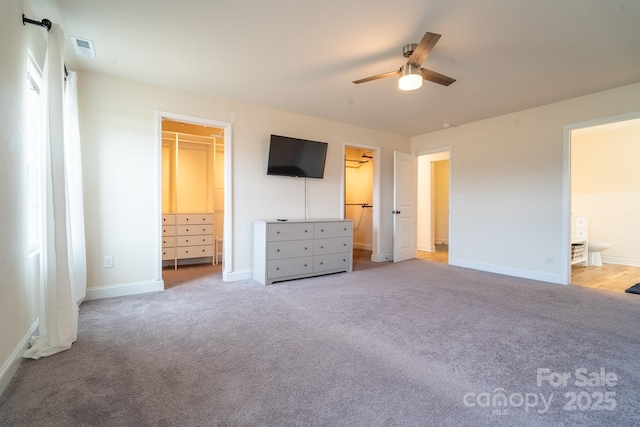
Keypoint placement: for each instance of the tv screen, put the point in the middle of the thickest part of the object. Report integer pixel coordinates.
(296, 157)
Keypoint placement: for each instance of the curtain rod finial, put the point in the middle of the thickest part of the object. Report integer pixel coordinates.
(44, 23)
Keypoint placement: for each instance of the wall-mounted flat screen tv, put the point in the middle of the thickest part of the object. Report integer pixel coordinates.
(296, 157)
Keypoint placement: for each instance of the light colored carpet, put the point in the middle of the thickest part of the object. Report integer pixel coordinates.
(406, 344)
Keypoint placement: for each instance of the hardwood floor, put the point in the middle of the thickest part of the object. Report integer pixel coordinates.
(609, 277)
(438, 256)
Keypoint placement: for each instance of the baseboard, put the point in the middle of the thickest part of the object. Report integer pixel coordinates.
(634, 262)
(508, 271)
(426, 248)
(237, 275)
(11, 365)
(124, 290)
(382, 257)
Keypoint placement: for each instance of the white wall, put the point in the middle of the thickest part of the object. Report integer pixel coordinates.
(121, 173)
(18, 286)
(605, 186)
(509, 172)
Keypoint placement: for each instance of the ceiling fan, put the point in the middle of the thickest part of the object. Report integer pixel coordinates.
(412, 73)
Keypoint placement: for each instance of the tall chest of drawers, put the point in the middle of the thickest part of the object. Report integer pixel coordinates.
(285, 250)
(580, 240)
(187, 235)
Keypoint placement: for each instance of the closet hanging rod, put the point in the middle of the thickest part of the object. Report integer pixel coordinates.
(364, 205)
(191, 134)
(44, 23)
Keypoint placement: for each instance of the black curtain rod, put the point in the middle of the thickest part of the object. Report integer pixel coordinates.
(44, 23)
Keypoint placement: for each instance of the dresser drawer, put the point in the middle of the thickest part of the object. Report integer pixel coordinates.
(192, 230)
(195, 219)
(168, 253)
(579, 234)
(168, 242)
(290, 249)
(289, 267)
(205, 239)
(332, 262)
(290, 231)
(168, 230)
(332, 246)
(195, 251)
(168, 219)
(579, 221)
(322, 230)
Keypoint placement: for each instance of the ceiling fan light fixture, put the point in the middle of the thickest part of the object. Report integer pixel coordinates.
(410, 77)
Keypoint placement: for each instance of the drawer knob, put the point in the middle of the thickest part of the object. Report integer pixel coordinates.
(321, 247)
(278, 250)
(186, 252)
(322, 230)
(321, 263)
(187, 230)
(305, 265)
(277, 268)
(305, 248)
(277, 232)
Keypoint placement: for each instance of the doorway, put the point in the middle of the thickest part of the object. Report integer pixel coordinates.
(434, 206)
(361, 199)
(604, 189)
(194, 172)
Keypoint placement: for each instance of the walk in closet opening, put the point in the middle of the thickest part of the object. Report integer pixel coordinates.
(359, 173)
(192, 198)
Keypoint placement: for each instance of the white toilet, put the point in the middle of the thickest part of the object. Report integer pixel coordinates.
(594, 248)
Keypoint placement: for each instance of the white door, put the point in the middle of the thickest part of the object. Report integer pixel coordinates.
(405, 203)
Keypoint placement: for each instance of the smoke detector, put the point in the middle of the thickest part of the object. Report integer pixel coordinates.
(83, 47)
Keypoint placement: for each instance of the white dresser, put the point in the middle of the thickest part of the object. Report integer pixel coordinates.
(187, 235)
(579, 240)
(285, 250)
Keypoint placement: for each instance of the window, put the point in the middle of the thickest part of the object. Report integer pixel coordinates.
(34, 76)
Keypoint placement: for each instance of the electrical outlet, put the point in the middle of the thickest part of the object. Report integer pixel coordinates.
(108, 261)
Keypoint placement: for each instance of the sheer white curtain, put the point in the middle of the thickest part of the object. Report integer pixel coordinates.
(63, 259)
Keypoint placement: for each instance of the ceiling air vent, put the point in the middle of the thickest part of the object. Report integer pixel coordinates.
(83, 47)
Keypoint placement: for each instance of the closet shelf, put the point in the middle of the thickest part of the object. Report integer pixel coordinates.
(364, 205)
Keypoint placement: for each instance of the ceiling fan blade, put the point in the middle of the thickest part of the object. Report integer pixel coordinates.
(379, 76)
(423, 49)
(432, 76)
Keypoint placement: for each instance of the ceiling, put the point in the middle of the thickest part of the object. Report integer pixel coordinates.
(302, 56)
